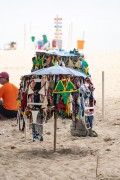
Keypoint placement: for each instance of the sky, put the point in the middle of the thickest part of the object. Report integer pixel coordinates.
(97, 21)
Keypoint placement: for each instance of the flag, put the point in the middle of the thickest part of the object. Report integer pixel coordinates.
(80, 44)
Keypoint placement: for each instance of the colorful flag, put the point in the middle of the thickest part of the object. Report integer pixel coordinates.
(80, 44)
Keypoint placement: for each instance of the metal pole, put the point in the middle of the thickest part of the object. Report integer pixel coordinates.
(103, 95)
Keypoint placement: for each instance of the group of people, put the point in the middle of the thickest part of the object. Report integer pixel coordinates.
(8, 97)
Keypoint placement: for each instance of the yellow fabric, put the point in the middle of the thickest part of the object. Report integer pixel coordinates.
(86, 70)
(69, 106)
(70, 64)
(17, 104)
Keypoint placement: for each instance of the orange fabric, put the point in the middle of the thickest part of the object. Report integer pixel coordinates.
(9, 94)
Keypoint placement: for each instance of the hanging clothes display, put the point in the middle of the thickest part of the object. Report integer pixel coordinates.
(70, 96)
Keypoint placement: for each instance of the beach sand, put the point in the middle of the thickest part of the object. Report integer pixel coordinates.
(76, 158)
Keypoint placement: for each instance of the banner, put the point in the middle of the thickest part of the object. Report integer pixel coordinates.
(45, 38)
(58, 30)
(58, 33)
(57, 19)
(58, 37)
(80, 44)
(57, 26)
(58, 22)
(33, 38)
(53, 43)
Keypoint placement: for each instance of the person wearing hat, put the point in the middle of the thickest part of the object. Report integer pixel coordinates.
(8, 96)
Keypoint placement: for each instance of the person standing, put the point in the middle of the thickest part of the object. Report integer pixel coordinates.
(8, 97)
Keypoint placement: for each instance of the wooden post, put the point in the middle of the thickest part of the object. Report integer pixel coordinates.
(103, 95)
(55, 128)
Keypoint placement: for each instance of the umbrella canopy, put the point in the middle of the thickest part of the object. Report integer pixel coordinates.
(57, 53)
(56, 70)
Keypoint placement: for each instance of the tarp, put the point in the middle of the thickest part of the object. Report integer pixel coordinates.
(57, 53)
(56, 70)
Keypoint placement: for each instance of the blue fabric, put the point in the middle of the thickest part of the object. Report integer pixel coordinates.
(90, 119)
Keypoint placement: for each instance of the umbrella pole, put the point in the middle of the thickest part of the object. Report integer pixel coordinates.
(55, 128)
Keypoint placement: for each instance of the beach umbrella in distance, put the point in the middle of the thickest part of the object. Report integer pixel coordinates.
(56, 70)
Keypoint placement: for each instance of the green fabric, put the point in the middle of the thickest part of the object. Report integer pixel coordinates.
(59, 86)
(70, 86)
(84, 63)
(35, 61)
(52, 63)
(65, 96)
(41, 62)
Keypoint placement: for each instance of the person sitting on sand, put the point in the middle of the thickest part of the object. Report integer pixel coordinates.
(8, 95)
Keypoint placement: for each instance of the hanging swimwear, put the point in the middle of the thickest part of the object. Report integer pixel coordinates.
(65, 90)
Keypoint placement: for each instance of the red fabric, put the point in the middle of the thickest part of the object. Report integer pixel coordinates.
(24, 100)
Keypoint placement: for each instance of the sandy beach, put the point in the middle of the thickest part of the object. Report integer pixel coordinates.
(76, 158)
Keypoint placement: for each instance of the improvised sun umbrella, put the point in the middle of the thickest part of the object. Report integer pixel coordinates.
(56, 70)
(60, 53)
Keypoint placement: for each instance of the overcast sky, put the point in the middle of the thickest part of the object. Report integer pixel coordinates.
(98, 20)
